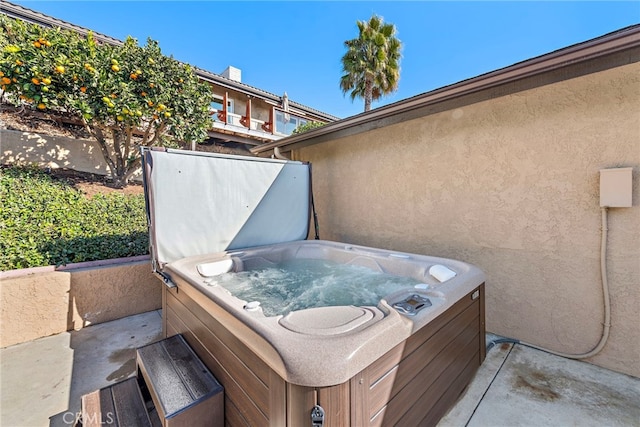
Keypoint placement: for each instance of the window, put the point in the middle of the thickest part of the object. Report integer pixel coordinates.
(286, 127)
(216, 106)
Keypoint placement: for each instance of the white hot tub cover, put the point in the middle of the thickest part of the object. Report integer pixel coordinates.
(202, 203)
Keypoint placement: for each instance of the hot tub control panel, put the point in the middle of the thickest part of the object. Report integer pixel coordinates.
(412, 304)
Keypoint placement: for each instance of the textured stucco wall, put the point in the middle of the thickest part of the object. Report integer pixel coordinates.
(45, 303)
(511, 185)
(55, 152)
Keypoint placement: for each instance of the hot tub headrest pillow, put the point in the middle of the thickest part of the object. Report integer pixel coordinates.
(215, 268)
(441, 273)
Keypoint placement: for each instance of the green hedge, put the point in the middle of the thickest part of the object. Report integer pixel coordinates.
(44, 221)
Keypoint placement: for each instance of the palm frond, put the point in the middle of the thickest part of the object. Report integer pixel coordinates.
(373, 58)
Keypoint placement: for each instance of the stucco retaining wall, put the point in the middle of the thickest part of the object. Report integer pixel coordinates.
(17, 147)
(55, 152)
(44, 301)
(512, 185)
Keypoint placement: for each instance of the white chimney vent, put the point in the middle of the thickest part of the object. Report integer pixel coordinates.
(233, 73)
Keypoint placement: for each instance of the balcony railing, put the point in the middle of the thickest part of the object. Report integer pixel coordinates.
(280, 123)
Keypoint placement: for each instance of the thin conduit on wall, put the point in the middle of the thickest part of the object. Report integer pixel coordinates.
(607, 306)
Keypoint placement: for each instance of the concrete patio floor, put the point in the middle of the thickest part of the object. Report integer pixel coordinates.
(521, 386)
(41, 381)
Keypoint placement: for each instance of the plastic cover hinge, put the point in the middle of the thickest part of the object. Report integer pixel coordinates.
(166, 279)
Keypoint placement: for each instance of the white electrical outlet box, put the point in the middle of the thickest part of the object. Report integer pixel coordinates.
(615, 187)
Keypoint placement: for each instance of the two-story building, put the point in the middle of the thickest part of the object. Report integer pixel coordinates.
(244, 116)
(253, 116)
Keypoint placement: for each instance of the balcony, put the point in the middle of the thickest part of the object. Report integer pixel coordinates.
(254, 135)
(280, 123)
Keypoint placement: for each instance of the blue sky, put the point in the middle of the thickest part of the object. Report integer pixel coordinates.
(296, 46)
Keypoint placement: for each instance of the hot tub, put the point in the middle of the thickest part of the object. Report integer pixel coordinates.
(402, 359)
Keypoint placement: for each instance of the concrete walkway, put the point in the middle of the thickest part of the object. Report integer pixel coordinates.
(41, 381)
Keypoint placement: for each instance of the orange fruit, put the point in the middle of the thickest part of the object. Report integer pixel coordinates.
(83, 89)
(41, 106)
(133, 76)
(35, 81)
(37, 44)
(6, 80)
(143, 94)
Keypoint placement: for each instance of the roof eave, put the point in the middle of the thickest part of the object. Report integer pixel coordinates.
(253, 91)
(626, 38)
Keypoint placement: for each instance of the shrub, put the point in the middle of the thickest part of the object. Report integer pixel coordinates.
(44, 221)
(307, 127)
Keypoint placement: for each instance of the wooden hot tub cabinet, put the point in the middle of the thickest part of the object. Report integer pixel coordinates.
(415, 383)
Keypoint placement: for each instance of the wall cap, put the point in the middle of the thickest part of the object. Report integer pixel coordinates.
(12, 274)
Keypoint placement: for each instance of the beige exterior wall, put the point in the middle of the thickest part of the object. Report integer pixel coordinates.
(36, 303)
(17, 147)
(511, 185)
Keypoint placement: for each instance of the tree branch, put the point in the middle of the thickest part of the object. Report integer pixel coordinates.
(132, 168)
(127, 143)
(117, 148)
(145, 137)
(157, 132)
(99, 136)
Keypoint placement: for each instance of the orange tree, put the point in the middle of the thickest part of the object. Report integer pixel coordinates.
(125, 95)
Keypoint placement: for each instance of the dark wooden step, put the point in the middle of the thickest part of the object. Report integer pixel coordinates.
(182, 388)
(119, 405)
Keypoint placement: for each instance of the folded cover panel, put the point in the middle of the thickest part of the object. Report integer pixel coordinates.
(200, 203)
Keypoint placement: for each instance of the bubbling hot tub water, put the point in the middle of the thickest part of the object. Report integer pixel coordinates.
(298, 284)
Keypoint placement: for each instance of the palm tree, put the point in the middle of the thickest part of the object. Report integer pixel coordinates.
(371, 64)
